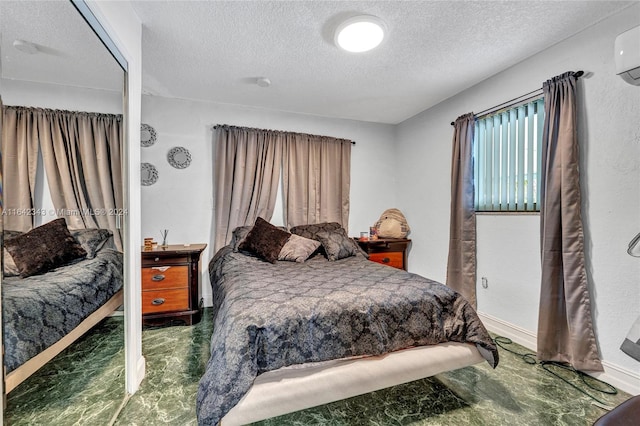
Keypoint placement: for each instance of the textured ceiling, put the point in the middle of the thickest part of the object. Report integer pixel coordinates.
(69, 54)
(215, 50)
(434, 49)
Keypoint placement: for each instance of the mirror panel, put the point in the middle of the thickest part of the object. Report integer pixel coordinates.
(51, 58)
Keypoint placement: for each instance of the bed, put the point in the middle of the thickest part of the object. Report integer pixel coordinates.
(45, 312)
(290, 335)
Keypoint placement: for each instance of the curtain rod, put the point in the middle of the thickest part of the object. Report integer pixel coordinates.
(514, 101)
(280, 131)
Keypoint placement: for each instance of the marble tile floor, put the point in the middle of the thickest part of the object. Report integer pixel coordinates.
(84, 385)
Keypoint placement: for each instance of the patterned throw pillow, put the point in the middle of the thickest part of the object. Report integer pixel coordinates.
(238, 235)
(265, 240)
(298, 249)
(9, 266)
(44, 248)
(310, 231)
(337, 244)
(91, 240)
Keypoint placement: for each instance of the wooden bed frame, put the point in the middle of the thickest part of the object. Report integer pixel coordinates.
(21, 373)
(290, 389)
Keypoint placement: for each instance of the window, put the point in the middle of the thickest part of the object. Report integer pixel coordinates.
(507, 159)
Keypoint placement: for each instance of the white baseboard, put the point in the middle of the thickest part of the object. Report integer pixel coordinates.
(517, 334)
(619, 377)
(623, 379)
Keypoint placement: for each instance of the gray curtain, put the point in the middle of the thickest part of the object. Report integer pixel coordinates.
(19, 163)
(565, 330)
(316, 179)
(248, 163)
(461, 264)
(82, 161)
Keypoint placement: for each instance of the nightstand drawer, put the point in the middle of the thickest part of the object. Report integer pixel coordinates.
(173, 277)
(388, 251)
(165, 300)
(151, 259)
(394, 259)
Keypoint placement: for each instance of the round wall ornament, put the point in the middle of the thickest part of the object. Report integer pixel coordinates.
(148, 174)
(147, 135)
(179, 157)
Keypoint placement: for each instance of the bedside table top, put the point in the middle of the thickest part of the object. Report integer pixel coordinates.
(173, 249)
(382, 240)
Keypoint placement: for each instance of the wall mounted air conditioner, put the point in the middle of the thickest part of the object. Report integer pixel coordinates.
(628, 56)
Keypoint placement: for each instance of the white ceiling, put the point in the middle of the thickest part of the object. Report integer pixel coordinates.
(215, 50)
(70, 54)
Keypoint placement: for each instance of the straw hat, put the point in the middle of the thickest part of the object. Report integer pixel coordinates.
(392, 224)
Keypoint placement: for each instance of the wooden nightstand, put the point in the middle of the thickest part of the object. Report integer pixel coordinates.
(388, 251)
(171, 284)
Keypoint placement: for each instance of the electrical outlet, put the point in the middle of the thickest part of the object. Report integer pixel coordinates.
(485, 282)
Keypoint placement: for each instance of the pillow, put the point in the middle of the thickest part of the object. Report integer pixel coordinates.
(310, 231)
(337, 244)
(298, 249)
(9, 266)
(238, 235)
(91, 240)
(44, 248)
(7, 234)
(265, 240)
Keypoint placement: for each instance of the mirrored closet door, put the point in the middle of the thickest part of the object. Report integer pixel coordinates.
(62, 189)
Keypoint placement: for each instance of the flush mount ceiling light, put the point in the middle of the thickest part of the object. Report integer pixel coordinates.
(263, 82)
(360, 33)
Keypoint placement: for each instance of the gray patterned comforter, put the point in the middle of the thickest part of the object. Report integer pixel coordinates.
(41, 309)
(268, 316)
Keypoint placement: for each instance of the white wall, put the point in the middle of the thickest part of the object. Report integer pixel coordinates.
(508, 246)
(182, 199)
(42, 95)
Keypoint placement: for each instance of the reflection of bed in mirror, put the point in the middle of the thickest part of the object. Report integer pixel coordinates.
(50, 79)
(51, 296)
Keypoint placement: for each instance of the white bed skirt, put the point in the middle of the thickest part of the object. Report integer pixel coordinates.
(295, 388)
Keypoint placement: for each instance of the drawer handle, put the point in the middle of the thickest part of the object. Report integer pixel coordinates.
(158, 301)
(157, 277)
(157, 259)
(386, 260)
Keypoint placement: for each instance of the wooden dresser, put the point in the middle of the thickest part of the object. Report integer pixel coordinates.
(171, 284)
(388, 251)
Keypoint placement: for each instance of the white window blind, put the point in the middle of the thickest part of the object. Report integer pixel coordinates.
(507, 160)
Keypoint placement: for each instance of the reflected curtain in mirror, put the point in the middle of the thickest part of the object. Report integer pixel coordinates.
(82, 160)
(565, 329)
(19, 163)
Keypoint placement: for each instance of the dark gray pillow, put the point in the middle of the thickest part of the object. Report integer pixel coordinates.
(238, 235)
(9, 266)
(298, 249)
(44, 248)
(310, 231)
(91, 240)
(265, 240)
(337, 244)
